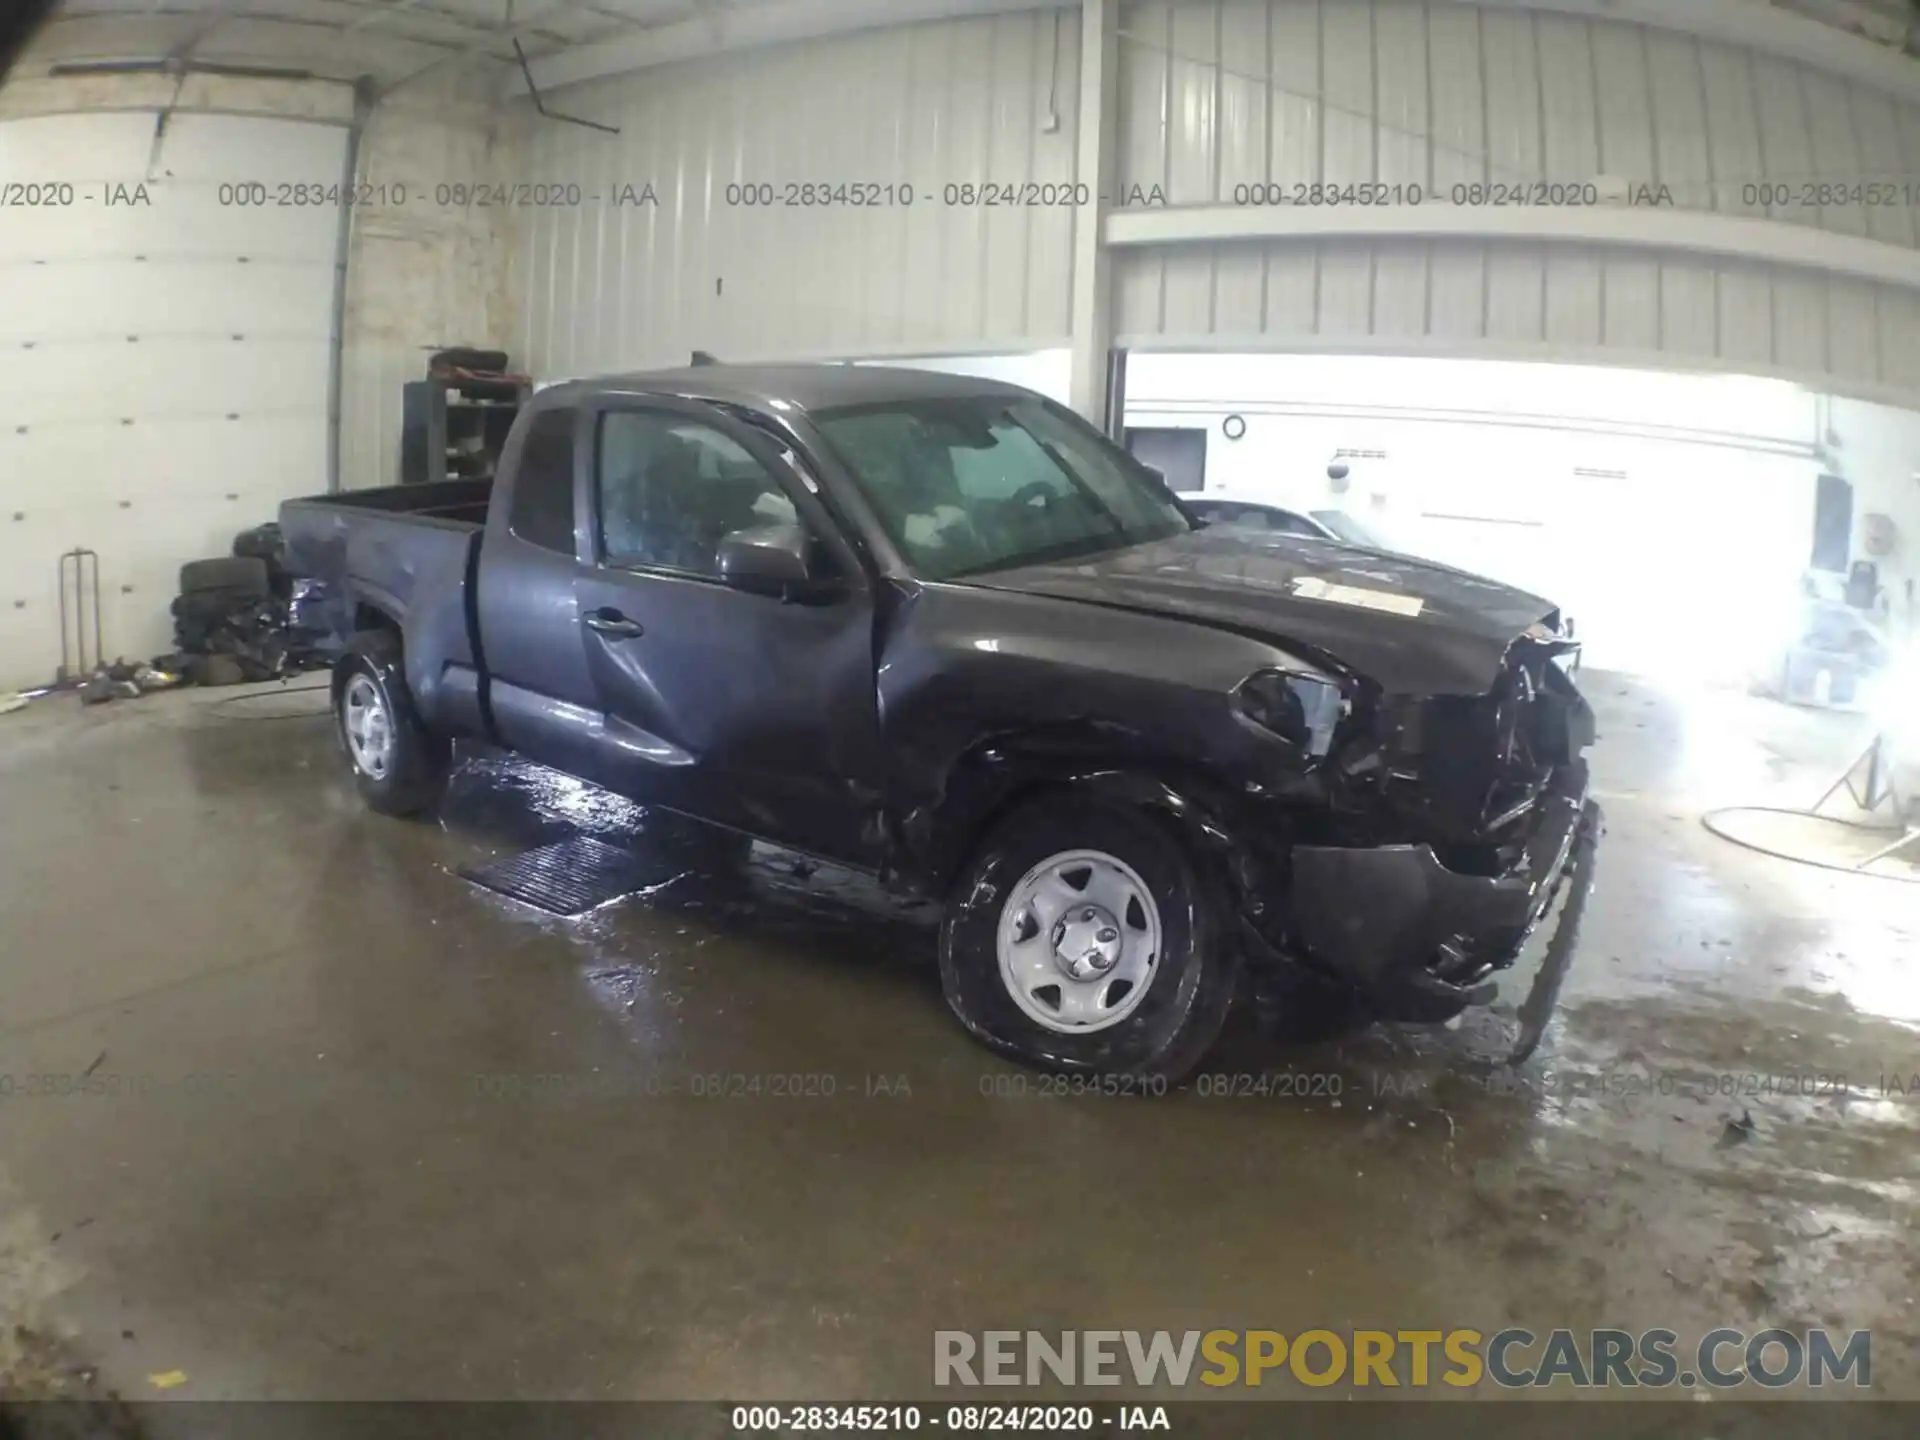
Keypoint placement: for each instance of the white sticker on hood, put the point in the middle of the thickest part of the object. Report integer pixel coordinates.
(1311, 587)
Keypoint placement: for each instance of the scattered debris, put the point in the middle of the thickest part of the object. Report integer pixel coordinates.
(122, 680)
(233, 618)
(1738, 1131)
(167, 1379)
(38, 1368)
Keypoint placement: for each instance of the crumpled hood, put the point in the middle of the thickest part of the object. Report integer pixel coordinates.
(1411, 626)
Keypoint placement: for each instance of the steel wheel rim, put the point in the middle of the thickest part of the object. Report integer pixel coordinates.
(368, 727)
(1079, 941)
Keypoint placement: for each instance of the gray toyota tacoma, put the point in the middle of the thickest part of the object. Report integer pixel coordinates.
(944, 631)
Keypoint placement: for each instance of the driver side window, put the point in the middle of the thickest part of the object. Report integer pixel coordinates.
(669, 489)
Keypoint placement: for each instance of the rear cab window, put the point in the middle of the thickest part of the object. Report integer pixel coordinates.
(542, 509)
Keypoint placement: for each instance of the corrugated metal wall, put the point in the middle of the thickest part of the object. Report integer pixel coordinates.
(1235, 92)
(611, 285)
(1522, 300)
(1214, 94)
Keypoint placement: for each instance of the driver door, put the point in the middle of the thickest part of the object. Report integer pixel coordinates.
(735, 706)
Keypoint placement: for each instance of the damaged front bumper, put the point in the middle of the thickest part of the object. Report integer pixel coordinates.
(1424, 942)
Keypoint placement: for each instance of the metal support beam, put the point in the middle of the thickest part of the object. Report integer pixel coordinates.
(493, 40)
(1092, 307)
(1640, 227)
(1116, 399)
(364, 100)
(1767, 29)
(1745, 24)
(217, 16)
(379, 15)
(719, 28)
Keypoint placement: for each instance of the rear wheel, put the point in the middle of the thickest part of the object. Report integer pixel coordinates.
(399, 766)
(1082, 937)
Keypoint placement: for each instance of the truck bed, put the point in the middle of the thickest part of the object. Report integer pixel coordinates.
(457, 502)
(401, 551)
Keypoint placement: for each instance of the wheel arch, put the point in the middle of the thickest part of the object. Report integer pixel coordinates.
(1002, 773)
(420, 757)
(1131, 809)
(374, 615)
(381, 644)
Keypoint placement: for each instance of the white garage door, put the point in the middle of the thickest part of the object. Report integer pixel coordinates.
(163, 356)
(1670, 515)
(1676, 560)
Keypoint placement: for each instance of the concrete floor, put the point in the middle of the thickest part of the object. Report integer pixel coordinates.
(313, 1176)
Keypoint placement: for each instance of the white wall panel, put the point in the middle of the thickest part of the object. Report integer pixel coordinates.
(1709, 449)
(1443, 93)
(605, 286)
(1296, 133)
(1666, 131)
(1511, 96)
(1213, 94)
(1245, 133)
(1570, 99)
(1542, 476)
(163, 366)
(1876, 122)
(1439, 93)
(1553, 302)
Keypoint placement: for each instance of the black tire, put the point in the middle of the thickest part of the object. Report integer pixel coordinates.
(416, 768)
(265, 543)
(244, 575)
(262, 542)
(467, 357)
(210, 607)
(1194, 976)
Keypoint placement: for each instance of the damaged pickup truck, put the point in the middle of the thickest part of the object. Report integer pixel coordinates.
(942, 630)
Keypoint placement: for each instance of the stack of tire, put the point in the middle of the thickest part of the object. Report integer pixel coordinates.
(230, 618)
(265, 544)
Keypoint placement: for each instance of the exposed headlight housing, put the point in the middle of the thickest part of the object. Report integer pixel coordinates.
(1303, 710)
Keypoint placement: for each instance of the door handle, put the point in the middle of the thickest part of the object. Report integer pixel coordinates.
(612, 624)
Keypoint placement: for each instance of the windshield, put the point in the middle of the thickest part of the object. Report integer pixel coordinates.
(987, 482)
(1345, 527)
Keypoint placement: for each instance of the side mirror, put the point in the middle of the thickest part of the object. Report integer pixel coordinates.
(772, 560)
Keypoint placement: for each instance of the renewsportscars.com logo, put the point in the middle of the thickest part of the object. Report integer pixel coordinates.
(1512, 1358)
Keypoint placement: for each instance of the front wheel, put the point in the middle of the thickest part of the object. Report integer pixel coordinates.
(399, 766)
(1082, 937)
